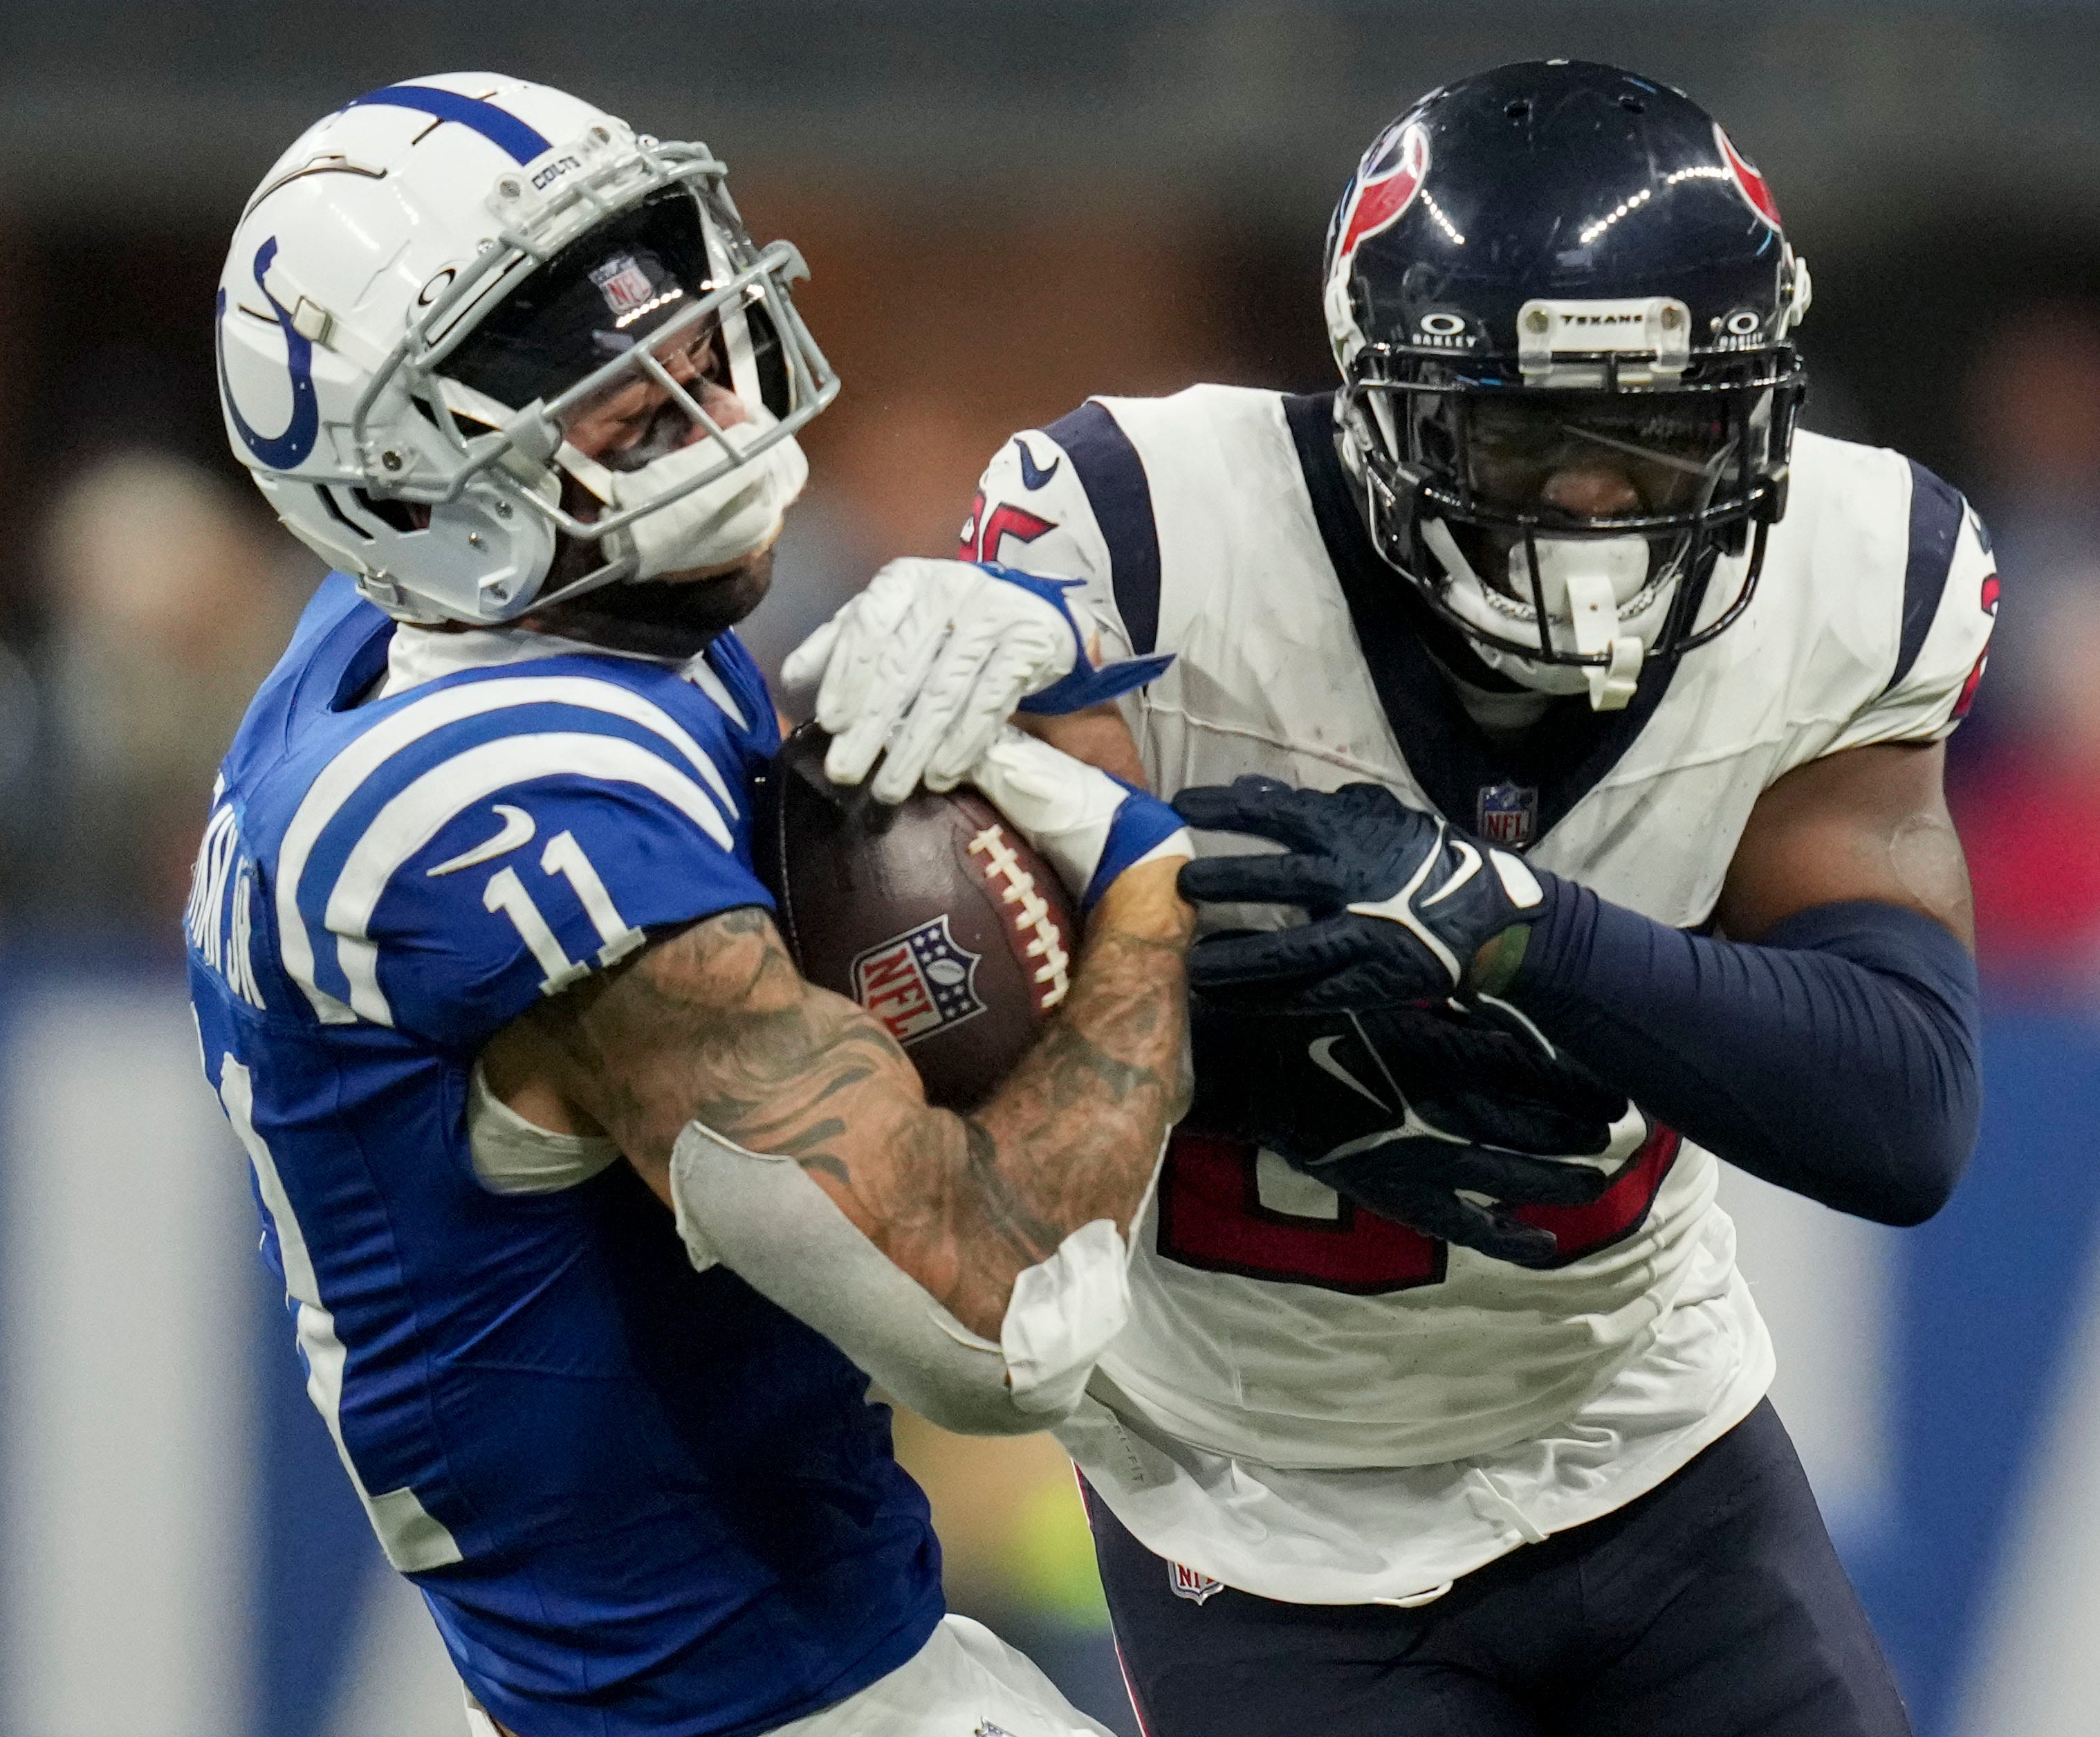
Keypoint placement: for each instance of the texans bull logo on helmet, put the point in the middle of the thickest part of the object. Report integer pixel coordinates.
(1391, 175)
(1748, 181)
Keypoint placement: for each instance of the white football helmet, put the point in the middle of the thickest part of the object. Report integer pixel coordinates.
(419, 446)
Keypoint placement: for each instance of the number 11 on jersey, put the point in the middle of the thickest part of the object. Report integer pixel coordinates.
(564, 856)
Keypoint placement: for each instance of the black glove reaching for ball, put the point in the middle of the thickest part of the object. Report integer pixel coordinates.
(1399, 901)
(1446, 1119)
(1336, 1044)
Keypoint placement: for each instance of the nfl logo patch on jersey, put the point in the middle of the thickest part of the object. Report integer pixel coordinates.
(1508, 814)
(919, 982)
(1186, 1583)
(623, 282)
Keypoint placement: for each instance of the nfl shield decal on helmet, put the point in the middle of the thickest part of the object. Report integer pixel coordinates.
(919, 982)
(1185, 1582)
(623, 282)
(1507, 815)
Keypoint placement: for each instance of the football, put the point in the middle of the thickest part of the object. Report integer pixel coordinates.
(936, 915)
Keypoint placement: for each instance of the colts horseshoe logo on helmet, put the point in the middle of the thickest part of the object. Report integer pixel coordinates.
(1392, 174)
(288, 450)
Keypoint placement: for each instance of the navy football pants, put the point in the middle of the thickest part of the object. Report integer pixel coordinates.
(1712, 1607)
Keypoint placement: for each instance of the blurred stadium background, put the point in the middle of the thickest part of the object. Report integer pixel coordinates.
(1004, 208)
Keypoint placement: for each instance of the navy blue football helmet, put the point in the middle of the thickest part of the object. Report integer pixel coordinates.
(1562, 303)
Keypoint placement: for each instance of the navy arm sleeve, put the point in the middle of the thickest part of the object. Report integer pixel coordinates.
(1838, 1058)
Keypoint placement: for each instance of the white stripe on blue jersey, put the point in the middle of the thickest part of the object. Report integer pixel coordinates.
(412, 819)
(411, 1538)
(363, 758)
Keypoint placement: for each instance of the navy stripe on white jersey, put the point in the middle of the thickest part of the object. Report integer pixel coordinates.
(1937, 514)
(1118, 491)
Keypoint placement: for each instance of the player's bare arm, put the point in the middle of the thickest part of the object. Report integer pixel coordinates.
(1868, 823)
(715, 1024)
(1097, 734)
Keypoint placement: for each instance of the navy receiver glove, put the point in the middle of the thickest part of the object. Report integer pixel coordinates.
(1410, 1111)
(1400, 901)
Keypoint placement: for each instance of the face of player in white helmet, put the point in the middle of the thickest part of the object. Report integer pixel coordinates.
(626, 428)
(613, 339)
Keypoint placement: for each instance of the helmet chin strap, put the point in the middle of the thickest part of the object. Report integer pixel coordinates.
(1585, 580)
(1590, 577)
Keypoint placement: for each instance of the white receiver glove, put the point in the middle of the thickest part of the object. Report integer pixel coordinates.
(932, 659)
(1088, 826)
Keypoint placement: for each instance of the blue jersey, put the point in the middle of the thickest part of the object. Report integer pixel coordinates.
(635, 1496)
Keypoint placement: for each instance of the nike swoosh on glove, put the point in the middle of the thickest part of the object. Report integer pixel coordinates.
(1399, 900)
(1445, 1119)
(927, 664)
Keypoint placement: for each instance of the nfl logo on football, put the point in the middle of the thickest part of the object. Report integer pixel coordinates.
(919, 982)
(1507, 815)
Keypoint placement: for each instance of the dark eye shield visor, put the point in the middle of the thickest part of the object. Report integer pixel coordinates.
(616, 287)
(1680, 452)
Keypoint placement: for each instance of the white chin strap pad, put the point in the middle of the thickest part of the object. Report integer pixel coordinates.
(767, 1222)
(1587, 581)
(1590, 577)
(714, 526)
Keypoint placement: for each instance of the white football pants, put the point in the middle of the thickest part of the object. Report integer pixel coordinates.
(965, 1681)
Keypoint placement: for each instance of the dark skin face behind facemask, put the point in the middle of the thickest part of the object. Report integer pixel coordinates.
(1587, 486)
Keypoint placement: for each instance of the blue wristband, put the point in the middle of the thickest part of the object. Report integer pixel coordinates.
(1141, 825)
(1087, 685)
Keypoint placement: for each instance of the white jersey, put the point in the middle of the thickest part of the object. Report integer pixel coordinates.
(1312, 1404)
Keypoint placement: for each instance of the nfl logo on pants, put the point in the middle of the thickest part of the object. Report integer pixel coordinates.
(1191, 1583)
(1508, 814)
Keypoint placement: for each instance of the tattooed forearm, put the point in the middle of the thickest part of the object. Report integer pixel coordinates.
(1021, 1233)
(715, 1025)
(1075, 1133)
